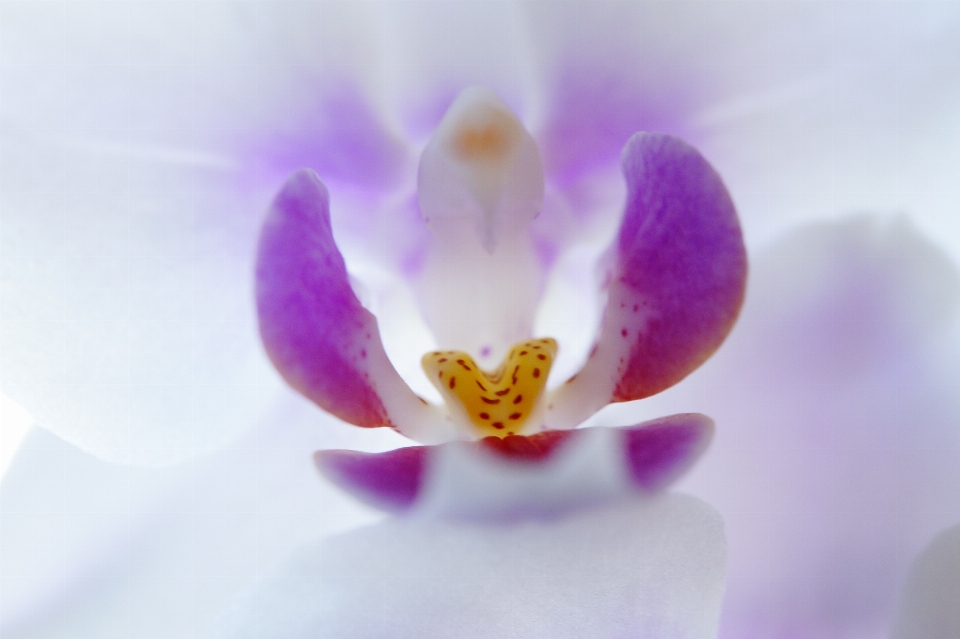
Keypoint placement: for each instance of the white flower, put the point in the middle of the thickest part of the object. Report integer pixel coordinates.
(142, 143)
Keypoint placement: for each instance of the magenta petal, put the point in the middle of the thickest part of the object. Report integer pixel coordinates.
(390, 480)
(660, 451)
(313, 326)
(677, 283)
(680, 251)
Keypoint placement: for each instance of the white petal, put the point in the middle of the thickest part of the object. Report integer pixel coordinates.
(126, 324)
(100, 550)
(929, 607)
(637, 569)
(858, 113)
(140, 146)
(837, 441)
(804, 107)
(807, 110)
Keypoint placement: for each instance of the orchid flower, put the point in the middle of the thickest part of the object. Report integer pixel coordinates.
(142, 144)
(674, 291)
(675, 288)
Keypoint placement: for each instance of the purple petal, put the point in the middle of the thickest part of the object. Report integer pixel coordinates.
(677, 285)
(680, 248)
(317, 334)
(653, 455)
(660, 451)
(389, 480)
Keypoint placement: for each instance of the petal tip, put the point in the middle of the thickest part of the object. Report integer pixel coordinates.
(389, 481)
(659, 452)
(681, 251)
(312, 325)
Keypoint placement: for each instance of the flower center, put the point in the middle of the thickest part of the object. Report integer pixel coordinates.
(498, 403)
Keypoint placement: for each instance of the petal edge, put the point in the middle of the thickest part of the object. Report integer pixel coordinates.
(677, 285)
(681, 247)
(313, 326)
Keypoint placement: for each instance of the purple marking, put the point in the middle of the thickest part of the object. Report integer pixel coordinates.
(660, 451)
(311, 323)
(547, 251)
(594, 111)
(340, 136)
(681, 248)
(390, 480)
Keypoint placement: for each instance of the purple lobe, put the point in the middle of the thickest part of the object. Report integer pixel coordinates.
(659, 451)
(389, 480)
(680, 250)
(656, 453)
(314, 328)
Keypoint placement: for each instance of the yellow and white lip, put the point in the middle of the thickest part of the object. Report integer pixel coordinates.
(499, 403)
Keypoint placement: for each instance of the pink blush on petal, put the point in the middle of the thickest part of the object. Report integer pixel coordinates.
(341, 137)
